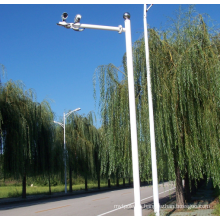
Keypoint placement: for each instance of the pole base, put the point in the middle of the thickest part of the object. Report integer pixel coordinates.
(138, 210)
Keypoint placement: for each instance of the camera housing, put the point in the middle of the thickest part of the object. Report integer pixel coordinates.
(77, 18)
(64, 16)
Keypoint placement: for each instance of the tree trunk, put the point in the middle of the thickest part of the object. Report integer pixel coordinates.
(187, 189)
(70, 179)
(129, 181)
(117, 182)
(123, 181)
(24, 186)
(49, 186)
(86, 187)
(98, 181)
(109, 184)
(179, 189)
(193, 187)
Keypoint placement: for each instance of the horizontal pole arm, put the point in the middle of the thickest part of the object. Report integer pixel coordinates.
(100, 27)
(59, 124)
(68, 114)
(80, 27)
(72, 112)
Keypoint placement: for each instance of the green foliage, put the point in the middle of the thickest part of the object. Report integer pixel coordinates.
(26, 131)
(36, 149)
(83, 141)
(185, 70)
(116, 151)
(185, 84)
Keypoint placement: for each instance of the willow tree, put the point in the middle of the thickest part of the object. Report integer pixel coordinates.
(185, 67)
(83, 142)
(44, 151)
(26, 131)
(114, 107)
(185, 84)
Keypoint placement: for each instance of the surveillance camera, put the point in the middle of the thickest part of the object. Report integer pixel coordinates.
(64, 16)
(77, 18)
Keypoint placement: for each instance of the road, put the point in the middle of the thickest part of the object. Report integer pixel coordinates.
(109, 203)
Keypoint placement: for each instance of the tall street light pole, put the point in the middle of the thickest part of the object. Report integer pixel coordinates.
(133, 124)
(64, 138)
(151, 119)
(80, 27)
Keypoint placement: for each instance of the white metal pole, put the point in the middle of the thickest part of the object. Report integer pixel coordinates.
(64, 139)
(133, 125)
(98, 27)
(64, 150)
(151, 119)
(134, 143)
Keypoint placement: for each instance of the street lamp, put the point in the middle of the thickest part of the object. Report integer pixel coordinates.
(151, 119)
(63, 126)
(80, 27)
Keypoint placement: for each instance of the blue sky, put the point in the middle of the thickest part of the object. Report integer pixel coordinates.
(59, 63)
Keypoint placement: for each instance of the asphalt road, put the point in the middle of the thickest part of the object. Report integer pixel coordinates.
(111, 203)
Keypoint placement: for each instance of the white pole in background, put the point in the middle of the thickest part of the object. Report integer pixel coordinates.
(64, 150)
(133, 125)
(151, 119)
(64, 140)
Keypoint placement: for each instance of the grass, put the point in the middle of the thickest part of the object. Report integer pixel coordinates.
(14, 188)
(217, 210)
(217, 206)
(152, 213)
(16, 191)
